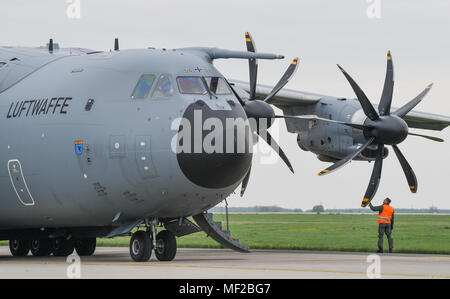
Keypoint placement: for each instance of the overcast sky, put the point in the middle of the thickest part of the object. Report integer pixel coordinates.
(322, 33)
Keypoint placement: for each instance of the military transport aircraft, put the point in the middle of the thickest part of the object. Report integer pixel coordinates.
(87, 142)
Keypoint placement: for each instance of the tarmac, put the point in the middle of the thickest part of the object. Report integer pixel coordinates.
(110, 262)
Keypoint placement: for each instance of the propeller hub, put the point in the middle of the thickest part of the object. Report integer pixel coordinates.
(389, 129)
(257, 110)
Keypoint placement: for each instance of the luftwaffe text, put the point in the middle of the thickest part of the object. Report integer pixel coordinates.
(39, 107)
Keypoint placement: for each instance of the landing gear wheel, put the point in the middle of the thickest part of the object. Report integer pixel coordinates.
(62, 247)
(140, 246)
(166, 246)
(41, 247)
(19, 247)
(85, 246)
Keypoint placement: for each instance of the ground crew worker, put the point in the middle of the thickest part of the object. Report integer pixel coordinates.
(386, 223)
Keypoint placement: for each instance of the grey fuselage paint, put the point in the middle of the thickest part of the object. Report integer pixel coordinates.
(110, 175)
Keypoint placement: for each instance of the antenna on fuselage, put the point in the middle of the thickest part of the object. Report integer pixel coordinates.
(116, 44)
(50, 45)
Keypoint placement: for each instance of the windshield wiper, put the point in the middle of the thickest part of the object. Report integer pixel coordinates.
(208, 90)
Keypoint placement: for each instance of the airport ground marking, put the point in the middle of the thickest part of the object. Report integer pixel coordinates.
(227, 268)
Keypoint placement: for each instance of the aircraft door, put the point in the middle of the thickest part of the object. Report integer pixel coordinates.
(18, 182)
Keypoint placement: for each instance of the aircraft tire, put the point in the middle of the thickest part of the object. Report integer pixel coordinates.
(140, 246)
(166, 246)
(41, 247)
(63, 247)
(19, 247)
(85, 246)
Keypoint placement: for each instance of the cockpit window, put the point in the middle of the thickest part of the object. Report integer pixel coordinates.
(191, 85)
(143, 87)
(217, 85)
(163, 88)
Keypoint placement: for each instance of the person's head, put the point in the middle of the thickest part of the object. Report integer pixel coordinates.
(387, 201)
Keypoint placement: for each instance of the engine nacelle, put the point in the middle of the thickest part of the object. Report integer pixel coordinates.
(332, 142)
(300, 143)
(369, 154)
(325, 158)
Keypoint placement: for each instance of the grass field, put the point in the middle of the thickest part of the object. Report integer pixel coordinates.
(342, 232)
(412, 233)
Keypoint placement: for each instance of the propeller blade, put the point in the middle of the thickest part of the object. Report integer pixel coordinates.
(401, 112)
(428, 137)
(245, 181)
(409, 173)
(252, 65)
(284, 79)
(264, 134)
(347, 159)
(315, 117)
(386, 97)
(369, 111)
(375, 178)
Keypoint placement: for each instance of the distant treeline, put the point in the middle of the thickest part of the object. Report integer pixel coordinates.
(397, 210)
(276, 209)
(255, 209)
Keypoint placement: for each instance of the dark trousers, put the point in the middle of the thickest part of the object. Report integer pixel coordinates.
(384, 228)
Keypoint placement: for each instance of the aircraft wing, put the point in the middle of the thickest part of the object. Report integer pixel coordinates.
(285, 97)
(289, 97)
(424, 120)
(428, 121)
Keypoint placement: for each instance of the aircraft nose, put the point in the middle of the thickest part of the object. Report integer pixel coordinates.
(213, 146)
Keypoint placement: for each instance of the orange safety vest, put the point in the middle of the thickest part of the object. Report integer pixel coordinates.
(386, 214)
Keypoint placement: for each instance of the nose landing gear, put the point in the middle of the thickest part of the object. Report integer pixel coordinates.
(140, 246)
(166, 246)
(143, 242)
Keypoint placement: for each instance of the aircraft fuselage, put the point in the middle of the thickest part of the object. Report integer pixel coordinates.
(77, 150)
